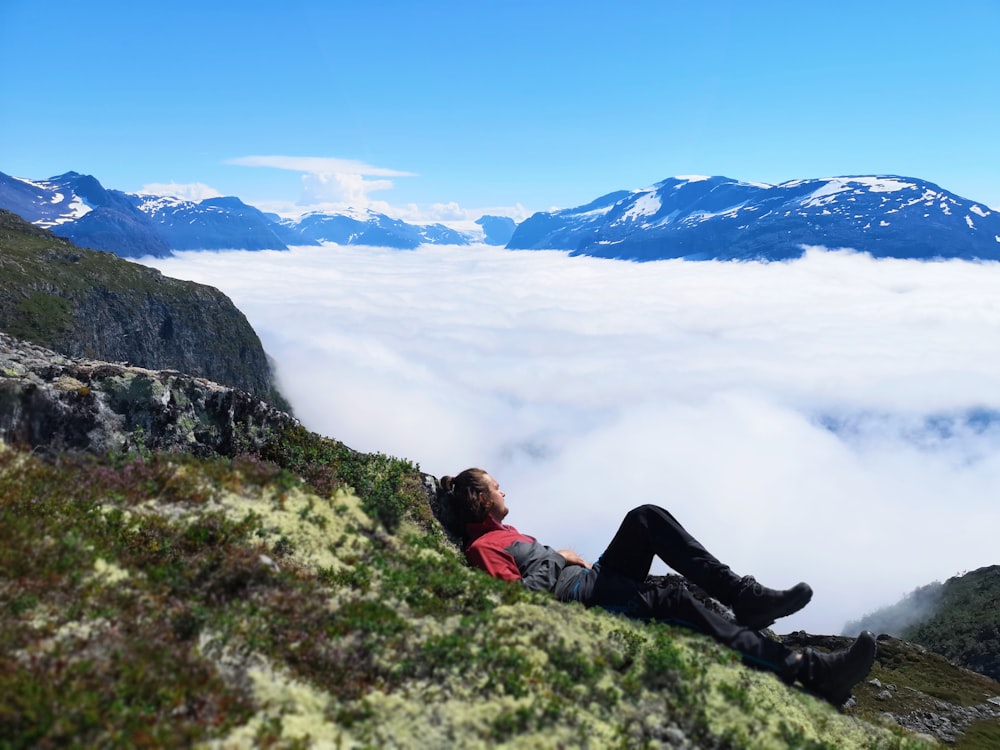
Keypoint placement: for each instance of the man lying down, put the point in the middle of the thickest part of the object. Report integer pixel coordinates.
(617, 582)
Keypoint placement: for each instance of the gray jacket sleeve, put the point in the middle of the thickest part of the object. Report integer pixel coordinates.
(540, 566)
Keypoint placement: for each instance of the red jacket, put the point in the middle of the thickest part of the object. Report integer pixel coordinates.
(507, 554)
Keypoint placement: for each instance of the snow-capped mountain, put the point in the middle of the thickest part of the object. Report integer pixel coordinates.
(211, 224)
(78, 207)
(724, 219)
(366, 227)
(681, 217)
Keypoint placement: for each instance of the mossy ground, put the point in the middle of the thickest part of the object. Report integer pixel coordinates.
(307, 598)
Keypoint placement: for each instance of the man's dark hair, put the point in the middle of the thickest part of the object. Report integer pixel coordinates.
(468, 495)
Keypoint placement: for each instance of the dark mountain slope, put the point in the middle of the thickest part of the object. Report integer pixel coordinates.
(211, 224)
(88, 303)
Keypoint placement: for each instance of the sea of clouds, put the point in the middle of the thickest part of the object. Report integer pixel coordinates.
(835, 419)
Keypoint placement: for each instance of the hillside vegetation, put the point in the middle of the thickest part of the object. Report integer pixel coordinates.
(166, 600)
(959, 619)
(282, 590)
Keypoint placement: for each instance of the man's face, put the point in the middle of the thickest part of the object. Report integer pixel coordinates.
(498, 505)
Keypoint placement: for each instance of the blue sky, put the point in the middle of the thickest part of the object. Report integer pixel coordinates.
(445, 109)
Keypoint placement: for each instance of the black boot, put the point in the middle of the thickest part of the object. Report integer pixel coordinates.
(757, 606)
(831, 676)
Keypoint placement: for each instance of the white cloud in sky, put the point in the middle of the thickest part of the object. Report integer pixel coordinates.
(349, 190)
(191, 191)
(330, 185)
(589, 386)
(318, 165)
(329, 181)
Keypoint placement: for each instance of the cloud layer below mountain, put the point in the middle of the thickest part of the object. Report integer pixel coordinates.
(829, 419)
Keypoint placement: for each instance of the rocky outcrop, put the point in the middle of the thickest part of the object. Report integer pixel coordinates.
(85, 303)
(53, 403)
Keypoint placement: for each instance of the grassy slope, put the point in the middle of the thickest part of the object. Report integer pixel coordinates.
(164, 601)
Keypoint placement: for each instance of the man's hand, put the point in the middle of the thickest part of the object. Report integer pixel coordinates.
(572, 558)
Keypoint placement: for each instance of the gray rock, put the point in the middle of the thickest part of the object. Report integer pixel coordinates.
(675, 737)
(51, 403)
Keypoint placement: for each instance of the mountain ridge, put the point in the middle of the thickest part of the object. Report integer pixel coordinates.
(79, 209)
(717, 218)
(135, 225)
(692, 217)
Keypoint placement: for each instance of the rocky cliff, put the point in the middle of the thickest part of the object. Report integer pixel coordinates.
(183, 565)
(94, 304)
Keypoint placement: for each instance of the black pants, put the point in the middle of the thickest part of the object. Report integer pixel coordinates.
(618, 583)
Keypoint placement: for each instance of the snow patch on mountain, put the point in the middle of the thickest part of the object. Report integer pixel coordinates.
(156, 205)
(729, 213)
(884, 184)
(74, 209)
(684, 179)
(647, 205)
